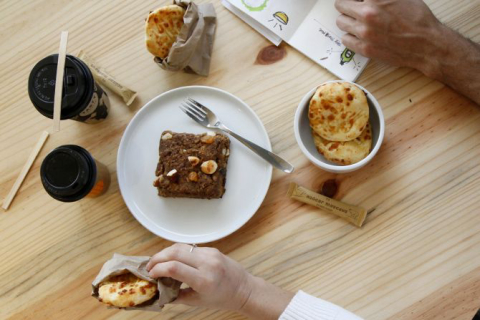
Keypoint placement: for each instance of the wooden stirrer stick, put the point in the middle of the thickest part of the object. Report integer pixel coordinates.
(21, 177)
(57, 102)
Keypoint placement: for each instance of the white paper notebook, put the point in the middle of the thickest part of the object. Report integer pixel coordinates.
(307, 25)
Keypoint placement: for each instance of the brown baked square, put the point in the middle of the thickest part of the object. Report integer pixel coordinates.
(192, 165)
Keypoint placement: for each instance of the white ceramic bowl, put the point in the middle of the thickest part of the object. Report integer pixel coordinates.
(303, 133)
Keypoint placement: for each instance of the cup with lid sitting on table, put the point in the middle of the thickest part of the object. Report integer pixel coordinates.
(83, 99)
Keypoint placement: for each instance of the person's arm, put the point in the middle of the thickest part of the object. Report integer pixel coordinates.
(406, 33)
(219, 282)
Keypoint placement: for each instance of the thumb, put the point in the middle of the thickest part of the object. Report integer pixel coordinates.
(189, 297)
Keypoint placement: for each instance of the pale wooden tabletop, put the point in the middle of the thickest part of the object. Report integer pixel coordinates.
(417, 256)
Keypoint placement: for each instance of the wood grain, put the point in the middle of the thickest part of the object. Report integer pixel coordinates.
(417, 256)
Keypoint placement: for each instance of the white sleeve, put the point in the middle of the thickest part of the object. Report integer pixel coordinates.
(306, 307)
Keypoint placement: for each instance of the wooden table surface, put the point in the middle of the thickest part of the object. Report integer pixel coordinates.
(417, 256)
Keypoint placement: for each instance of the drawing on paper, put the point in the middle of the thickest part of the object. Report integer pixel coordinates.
(280, 18)
(346, 56)
(255, 5)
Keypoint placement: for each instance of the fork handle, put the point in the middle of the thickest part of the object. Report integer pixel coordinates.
(268, 156)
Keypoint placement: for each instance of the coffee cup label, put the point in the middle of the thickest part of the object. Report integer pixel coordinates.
(97, 109)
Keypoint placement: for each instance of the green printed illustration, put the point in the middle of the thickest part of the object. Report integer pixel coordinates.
(255, 5)
(281, 18)
(346, 56)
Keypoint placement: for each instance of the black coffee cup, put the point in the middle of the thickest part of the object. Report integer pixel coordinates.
(70, 173)
(82, 98)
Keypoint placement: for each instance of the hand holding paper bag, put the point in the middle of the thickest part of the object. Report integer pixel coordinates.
(217, 281)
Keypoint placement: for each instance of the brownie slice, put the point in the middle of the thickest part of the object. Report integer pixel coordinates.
(192, 165)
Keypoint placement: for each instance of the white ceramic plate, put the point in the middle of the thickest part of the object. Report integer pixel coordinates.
(192, 220)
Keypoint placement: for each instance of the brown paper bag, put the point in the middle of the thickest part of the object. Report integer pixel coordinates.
(168, 288)
(192, 51)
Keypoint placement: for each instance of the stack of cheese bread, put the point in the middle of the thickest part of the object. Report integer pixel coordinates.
(339, 118)
(162, 28)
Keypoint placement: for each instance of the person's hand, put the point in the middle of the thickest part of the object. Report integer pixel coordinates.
(217, 281)
(399, 32)
(214, 279)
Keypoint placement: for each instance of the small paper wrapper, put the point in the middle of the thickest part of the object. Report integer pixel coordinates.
(352, 214)
(192, 51)
(168, 288)
(104, 78)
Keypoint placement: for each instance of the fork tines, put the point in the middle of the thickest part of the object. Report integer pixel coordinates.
(193, 110)
(198, 104)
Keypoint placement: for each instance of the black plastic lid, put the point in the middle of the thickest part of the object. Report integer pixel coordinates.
(77, 91)
(68, 173)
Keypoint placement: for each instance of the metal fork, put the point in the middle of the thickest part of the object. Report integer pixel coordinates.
(207, 118)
